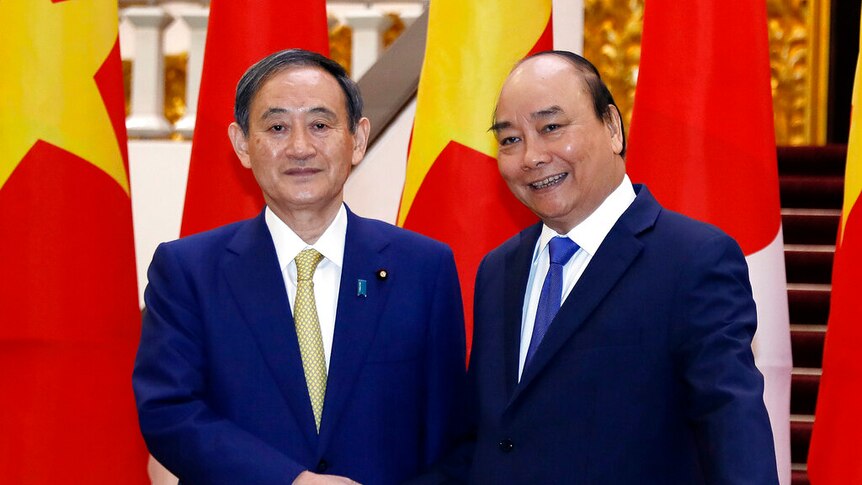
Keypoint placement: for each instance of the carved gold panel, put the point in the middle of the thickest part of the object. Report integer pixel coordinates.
(612, 41)
(175, 86)
(127, 84)
(799, 53)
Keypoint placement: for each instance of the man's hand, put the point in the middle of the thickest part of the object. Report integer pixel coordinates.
(309, 478)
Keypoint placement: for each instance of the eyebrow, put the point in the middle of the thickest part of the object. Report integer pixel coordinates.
(500, 125)
(536, 115)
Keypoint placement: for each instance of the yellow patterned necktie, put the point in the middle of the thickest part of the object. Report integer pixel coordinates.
(308, 331)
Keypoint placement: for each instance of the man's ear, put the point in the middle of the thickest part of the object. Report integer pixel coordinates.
(614, 122)
(360, 140)
(240, 144)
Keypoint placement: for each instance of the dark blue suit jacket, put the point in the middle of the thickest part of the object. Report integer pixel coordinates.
(219, 382)
(646, 375)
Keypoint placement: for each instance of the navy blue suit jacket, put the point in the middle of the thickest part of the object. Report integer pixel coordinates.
(218, 377)
(646, 374)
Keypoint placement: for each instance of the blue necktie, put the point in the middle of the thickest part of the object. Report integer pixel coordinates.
(561, 250)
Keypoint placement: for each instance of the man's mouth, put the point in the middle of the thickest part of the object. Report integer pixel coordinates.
(549, 181)
(301, 171)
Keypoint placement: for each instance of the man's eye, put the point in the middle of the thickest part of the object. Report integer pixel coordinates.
(550, 127)
(509, 140)
(277, 128)
(320, 126)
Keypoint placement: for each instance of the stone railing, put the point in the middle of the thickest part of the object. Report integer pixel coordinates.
(152, 32)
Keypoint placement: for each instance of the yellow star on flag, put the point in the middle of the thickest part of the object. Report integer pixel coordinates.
(462, 74)
(51, 52)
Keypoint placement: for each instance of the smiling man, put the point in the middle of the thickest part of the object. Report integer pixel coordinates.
(612, 341)
(306, 345)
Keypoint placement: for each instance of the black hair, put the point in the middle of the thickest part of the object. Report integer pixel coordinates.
(596, 87)
(256, 75)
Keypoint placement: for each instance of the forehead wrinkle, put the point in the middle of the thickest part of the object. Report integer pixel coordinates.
(322, 110)
(546, 112)
(541, 114)
(275, 111)
(270, 112)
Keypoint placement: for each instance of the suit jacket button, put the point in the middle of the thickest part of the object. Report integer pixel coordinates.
(506, 445)
(322, 466)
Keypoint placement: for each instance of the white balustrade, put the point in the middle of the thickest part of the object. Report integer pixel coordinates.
(145, 41)
(147, 119)
(196, 19)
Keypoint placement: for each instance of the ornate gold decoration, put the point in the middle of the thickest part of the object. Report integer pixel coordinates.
(798, 50)
(788, 60)
(127, 84)
(340, 43)
(396, 28)
(799, 53)
(612, 33)
(798, 41)
(175, 86)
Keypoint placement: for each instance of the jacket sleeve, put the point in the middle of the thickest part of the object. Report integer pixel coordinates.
(453, 466)
(181, 430)
(713, 326)
(445, 364)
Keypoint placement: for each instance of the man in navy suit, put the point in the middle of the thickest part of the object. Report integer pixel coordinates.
(612, 340)
(250, 372)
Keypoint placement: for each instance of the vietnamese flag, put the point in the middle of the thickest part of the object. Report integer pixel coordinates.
(834, 454)
(703, 141)
(69, 316)
(239, 33)
(453, 191)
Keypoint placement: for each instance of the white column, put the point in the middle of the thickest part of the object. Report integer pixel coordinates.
(196, 19)
(367, 42)
(569, 25)
(147, 118)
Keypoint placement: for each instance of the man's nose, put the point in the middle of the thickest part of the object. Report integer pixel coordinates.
(299, 144)
(535, 154)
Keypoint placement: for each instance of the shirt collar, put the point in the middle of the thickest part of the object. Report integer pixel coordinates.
(590, 233)
(288, 244)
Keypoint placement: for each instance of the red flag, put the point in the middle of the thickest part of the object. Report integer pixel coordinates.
(703, 140)
(834, 453)
(239, 34)
(69, 316)
(453, 191)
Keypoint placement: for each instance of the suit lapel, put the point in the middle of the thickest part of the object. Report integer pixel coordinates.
(615, 255)
(518, 263)
(253, 275)
(357, 317)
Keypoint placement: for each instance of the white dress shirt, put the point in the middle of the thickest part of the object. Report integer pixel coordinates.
(327, 276)
(589, 235)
